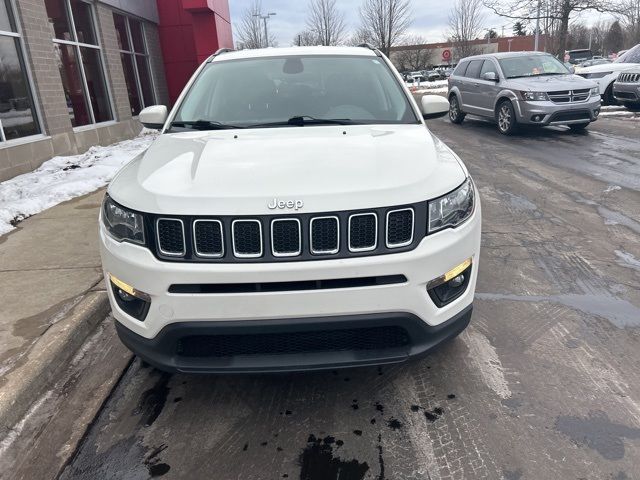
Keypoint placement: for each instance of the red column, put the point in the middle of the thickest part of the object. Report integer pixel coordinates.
(190, 31)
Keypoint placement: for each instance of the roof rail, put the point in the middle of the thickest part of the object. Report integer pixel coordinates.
(370, 47)
(220, 51)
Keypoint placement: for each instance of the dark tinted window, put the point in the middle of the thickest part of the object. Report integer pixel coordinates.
(488, 66)
(83, 20)
(17, 115)
(59, 17)
(461, 69)
(473, 71)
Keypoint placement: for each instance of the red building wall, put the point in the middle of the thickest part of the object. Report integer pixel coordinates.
(190, 31)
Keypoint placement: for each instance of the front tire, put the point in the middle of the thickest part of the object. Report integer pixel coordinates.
(607, 98)
(506, 118)
(578, 127)
(455, 114)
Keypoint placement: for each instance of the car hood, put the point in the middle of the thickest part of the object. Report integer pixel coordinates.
(607, 67)
(329, 168)
(551, 83)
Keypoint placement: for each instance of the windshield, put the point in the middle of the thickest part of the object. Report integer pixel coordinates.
(533, 65)
(630, 56)
(261, 91)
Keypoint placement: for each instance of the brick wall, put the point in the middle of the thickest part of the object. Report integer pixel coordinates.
(111, 54)
(157, 63)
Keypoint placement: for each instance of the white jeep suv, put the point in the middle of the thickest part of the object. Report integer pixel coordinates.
(294, 214)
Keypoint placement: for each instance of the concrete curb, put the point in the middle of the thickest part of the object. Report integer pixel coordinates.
(48, 357)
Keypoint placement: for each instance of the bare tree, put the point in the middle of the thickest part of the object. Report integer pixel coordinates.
(629, 14)
(465, 25)
(326, 22)
(306, 38)
(554, 14)
(384, 22)
(250, 30)
(414, 57)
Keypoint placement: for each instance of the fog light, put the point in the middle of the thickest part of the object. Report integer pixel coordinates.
(537, 118)
(596, 112)
(131, 301)
(446, 288)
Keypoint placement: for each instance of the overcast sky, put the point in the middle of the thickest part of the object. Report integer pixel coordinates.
(429, 17)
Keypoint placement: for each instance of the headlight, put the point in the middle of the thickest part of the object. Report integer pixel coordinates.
(452, 209)
(595, 91)
(122, 224)
(598, 74)
(535, 96)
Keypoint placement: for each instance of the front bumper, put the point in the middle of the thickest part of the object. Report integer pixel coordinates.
(626, 92)
(550, 113)
(161, 351)
(405, 303)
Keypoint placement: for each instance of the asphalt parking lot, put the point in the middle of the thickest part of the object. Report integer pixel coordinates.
(544, 384)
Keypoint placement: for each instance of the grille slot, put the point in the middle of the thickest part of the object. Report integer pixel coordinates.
(302, 285)
(363, 232)
(286, 238)
(247, 238)
(339, 340)
(208, 238)
(568, 116)
(399, 227)
(170, 233)
(325, 235)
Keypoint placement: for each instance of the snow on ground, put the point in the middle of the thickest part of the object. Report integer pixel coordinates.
(439, 86)
(63, 178)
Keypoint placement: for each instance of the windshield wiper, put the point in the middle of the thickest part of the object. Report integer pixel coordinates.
(302, 120)
(204, 125)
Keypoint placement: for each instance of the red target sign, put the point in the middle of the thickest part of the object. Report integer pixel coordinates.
(446, 55)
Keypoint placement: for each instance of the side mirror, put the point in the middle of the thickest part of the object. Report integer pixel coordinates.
(490, 77)
(434, 106)
(153, 116)
(572, 70)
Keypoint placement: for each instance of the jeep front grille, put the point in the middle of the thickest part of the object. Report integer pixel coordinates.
(570, 96)
(271, 238)
(629, 78)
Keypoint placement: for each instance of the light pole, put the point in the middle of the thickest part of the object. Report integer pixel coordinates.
(537, 40)
(264, 19)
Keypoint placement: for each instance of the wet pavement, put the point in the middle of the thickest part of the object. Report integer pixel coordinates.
(544, 384)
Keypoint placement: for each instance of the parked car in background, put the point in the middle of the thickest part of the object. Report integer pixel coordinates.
(604, 75)
(592, 62)
(433, 75)
(517, 88)
(575, 57)
(626, 88)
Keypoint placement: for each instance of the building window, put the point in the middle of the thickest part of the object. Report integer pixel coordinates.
(17, 113)
(135, 62)
(79, 59)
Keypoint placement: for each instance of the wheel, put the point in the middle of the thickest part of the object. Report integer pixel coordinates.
(506, 118)
(607, 98)
(455, 114)
(633, 106)
(578, 127)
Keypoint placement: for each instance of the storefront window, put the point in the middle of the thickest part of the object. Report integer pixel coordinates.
(17, 114)
(79, 61)
(135, 62)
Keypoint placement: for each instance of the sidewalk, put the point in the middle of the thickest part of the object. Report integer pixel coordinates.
(52, 299)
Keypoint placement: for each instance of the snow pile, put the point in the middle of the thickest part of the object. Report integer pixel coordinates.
(63, 178)
(438, 86)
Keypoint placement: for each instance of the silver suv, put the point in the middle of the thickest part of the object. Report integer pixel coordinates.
(521, 88)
